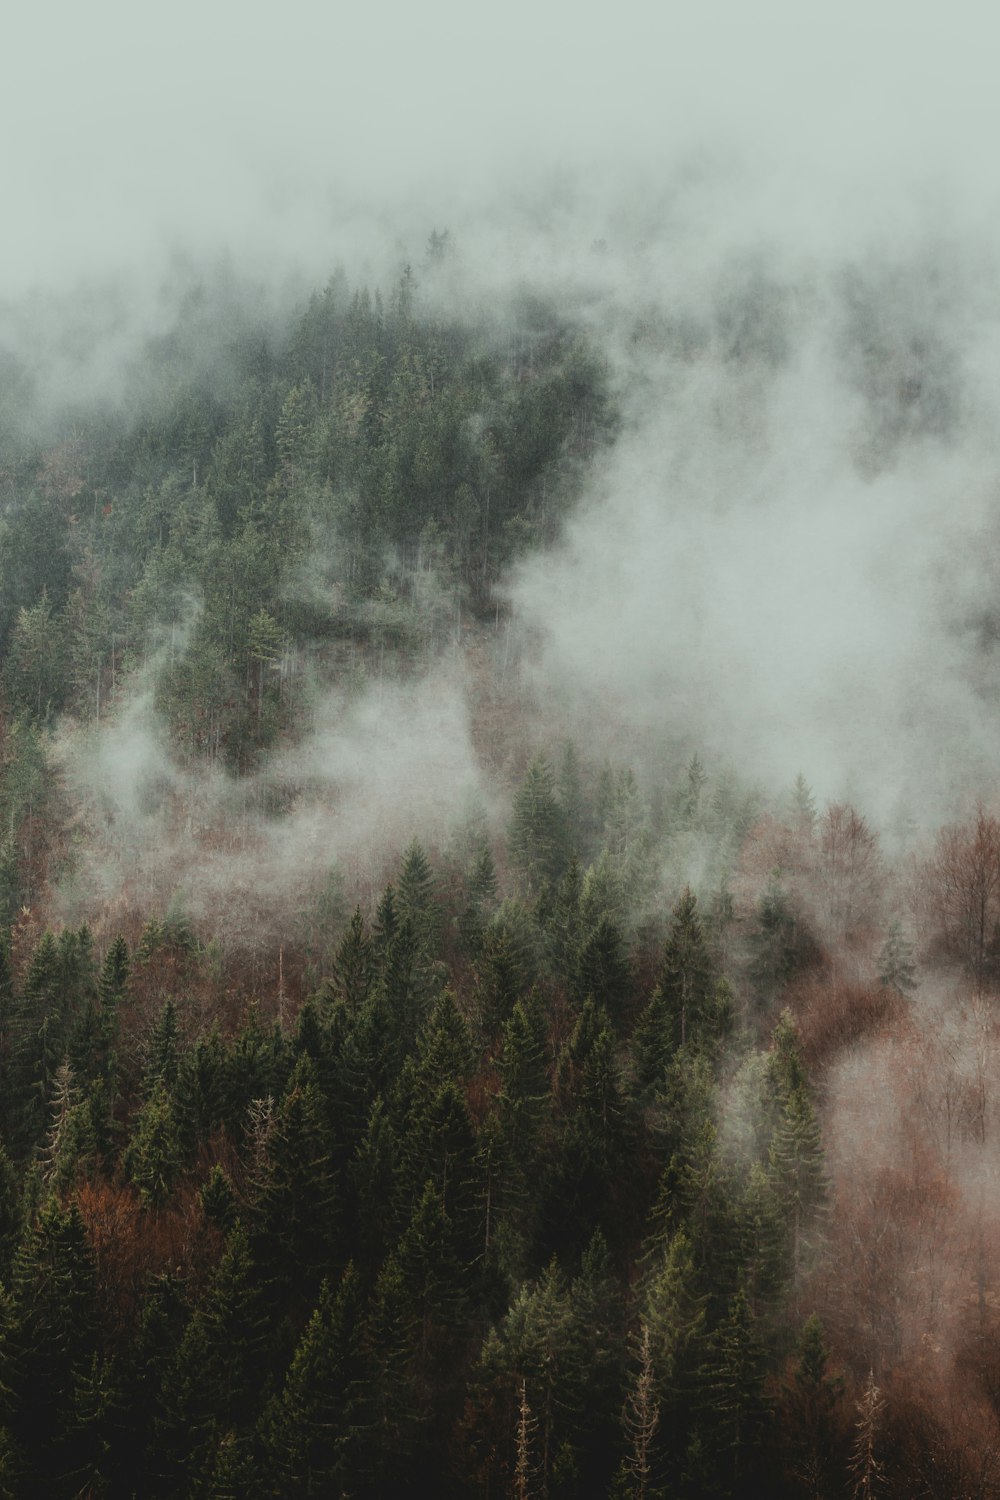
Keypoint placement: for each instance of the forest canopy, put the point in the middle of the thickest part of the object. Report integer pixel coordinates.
(419, 1075)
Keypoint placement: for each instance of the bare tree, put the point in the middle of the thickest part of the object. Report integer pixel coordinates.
(849, 868)
(965, 892)
(867, 1471)
(524, 1468)
(641, 1418)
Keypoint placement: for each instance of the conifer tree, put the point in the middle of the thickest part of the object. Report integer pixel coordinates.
(686, 979)
(415, 897)
(296, 1225)
(373, 1176)
(735, 1408)
(652, 1048)
(797, 1172)
(212, 1384)
(218, 1199)
(48, 1341)
(809, 1414)
(537, 835)
(354, 964)
(308, 1430)
(603, 969)
(153, 1155)
(163, 1053)
(505, 969)
(481, 902)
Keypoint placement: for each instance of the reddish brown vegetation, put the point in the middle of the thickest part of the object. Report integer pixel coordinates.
(834, 1013)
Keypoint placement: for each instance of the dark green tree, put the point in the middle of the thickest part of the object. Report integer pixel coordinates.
(686, 978)
(537, 837)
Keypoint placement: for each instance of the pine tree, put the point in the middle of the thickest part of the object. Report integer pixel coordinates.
(48, 1342)
(212, 1384)
(773, 942)
(537, 835)
(797, 1172)
(735, 1410)
(809, 1414)
(163, 1052)
(218, 1199)
(652, 1048)
(308, 1430)
(481, 902)
(153, 1155)
(354, 964)
(686, 979)
(415, 897)
(506, 967)
(373, 1175)
(603, 969)
(595, 1365)
(296, 1226)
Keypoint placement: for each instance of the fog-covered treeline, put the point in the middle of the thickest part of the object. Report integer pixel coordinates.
(403, 1086)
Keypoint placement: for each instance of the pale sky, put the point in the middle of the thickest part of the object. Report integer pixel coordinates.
(254, 127)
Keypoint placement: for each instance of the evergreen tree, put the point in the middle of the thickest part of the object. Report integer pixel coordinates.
(537, 835)
(686, 979)
(218, 1199)
(373, 1175)
(308, 1431)
(163, 1053)
(735, 1410)
(810, 1411)
(48, 1342)
(354, 964)
(296, 1225)
(797, 1172)
(415, 897)
(603, 969)
(212, 1384)
(153, 1155)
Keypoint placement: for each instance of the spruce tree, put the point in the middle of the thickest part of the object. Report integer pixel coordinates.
(797, 1172)
(354, 964)
(537, 835)
(686, 978)
(308, 1431)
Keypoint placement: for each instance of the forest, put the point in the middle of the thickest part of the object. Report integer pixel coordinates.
(403, 1090)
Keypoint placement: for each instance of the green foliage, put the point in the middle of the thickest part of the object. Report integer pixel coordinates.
(537, 837)
(308, 1430)
(153, 1156)
(686, 978)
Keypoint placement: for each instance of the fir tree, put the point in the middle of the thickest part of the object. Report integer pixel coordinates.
(354, 964)
(797, 1172)
(152, 1157)
(537, 834)
(686, 979)
(308, 1430)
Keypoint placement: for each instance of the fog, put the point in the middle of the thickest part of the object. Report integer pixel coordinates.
(780, 228)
